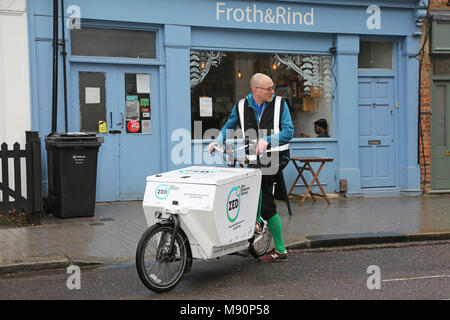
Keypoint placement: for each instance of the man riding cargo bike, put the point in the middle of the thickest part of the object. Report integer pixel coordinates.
(207, 212)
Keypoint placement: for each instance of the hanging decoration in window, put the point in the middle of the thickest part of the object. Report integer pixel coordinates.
(316, 71)
(201, 63)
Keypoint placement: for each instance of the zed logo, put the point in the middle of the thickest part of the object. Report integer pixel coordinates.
(162, 191)
(234, 203)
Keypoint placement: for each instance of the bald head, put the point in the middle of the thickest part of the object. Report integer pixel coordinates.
(257, 79)
(262, 88)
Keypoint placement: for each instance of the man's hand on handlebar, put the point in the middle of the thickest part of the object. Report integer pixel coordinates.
(212, 146)
(261, 146)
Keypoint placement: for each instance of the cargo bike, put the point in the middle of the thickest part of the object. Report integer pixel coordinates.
(199, 212)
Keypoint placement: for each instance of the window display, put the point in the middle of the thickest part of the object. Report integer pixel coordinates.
(220, 79)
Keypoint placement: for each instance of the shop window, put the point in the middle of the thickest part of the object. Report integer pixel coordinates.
(113, 43)
(220, 79)
(375, 55)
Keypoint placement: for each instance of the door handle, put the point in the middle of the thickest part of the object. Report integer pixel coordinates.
(110, 117)
(115, 131)
(121, 121)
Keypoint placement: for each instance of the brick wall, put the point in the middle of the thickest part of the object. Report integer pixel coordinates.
(425, 103)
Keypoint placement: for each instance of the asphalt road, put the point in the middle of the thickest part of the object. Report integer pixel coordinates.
(420, 271)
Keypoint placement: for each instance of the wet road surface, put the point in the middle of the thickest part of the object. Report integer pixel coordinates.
(414, 271)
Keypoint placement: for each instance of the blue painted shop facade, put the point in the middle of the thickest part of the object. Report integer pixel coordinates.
(142, 73)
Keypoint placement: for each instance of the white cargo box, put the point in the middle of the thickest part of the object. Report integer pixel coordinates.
(217, 205)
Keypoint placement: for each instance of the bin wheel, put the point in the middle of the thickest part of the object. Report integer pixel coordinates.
(260, 243)
(159, 269)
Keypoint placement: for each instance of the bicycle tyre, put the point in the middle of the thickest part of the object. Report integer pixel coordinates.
(259, 247)
(151, 250)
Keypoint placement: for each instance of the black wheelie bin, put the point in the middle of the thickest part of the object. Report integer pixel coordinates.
(72, 173)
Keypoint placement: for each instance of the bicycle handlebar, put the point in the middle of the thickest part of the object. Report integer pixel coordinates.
(230, 152)
(235, 150)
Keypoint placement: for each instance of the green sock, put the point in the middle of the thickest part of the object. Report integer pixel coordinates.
(258, 215)
(275, 229)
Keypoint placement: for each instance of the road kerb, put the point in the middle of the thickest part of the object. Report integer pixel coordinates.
(429, 236)
(34, 264)
(356, 239)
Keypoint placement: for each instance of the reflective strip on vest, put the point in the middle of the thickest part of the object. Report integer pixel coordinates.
(276, 124)
(276, 117)
(241, 115)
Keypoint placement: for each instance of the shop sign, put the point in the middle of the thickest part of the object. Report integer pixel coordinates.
(254, 14)
(282, 15)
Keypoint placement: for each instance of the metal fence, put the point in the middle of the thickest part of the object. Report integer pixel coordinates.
(14, 199)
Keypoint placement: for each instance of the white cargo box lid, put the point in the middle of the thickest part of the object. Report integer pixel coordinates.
(203, 175)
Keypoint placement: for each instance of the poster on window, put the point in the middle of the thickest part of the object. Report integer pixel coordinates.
(206, 107)
(146, 126)
(138, 103)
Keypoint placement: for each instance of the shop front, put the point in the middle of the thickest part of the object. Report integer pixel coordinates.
(157, 79)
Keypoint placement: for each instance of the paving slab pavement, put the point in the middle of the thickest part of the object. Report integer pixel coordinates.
(111, 236)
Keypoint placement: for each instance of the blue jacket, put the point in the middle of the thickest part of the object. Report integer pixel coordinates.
(284, 136)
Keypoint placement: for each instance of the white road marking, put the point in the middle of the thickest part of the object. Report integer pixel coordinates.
(417, 278)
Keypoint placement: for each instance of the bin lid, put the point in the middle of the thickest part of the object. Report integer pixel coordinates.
(203, 175)
(71, 135)
(73, 138)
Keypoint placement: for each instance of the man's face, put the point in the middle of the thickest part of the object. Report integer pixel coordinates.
(317, 129)
(264, 90)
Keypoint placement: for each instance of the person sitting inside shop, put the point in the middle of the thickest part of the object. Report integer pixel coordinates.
(320, 128)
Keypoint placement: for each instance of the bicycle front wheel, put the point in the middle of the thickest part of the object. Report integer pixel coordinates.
(260, 243)
(159, 269)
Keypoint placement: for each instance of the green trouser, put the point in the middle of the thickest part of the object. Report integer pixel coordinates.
(275, 228)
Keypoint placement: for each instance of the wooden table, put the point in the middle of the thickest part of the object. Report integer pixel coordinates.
(307, 166)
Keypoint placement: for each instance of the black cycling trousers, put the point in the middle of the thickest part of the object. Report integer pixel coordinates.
(268, 206)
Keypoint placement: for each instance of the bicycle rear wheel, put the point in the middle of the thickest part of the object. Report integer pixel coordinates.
(260, 243)
(159, 269)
